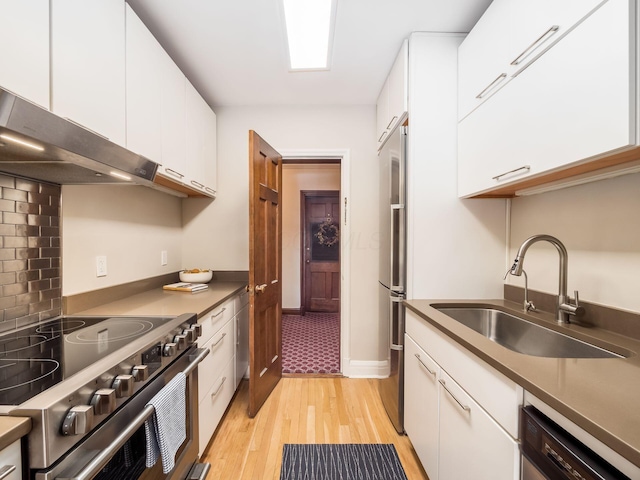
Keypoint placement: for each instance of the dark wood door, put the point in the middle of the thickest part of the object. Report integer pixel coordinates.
(265, 271)
(321, 250)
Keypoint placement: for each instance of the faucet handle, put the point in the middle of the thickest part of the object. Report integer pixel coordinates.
(575, 294)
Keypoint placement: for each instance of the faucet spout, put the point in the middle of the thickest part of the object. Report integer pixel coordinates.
(564, 309)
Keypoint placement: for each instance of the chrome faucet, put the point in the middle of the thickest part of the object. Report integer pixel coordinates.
(564, 309)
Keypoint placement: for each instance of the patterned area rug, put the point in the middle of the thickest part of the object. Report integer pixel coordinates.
(341, 462)
(311, 343)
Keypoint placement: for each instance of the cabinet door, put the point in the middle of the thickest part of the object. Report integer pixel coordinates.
(574, 103)
(398, 78)
(88, 65)
(24, 49)
(483, 58)
(144, 109)
(421, 405)
(174, 129)
(201, 143)
(472, 444)
(382, 114)
(213, 405)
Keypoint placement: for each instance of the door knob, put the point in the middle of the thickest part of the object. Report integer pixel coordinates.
(261, 288)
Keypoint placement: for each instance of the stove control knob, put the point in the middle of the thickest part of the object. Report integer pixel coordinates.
(196, 327)
(169, 349)
(123, 385)
(140, 373)
(78, 421)
(104, 401)
(180, 341)
(190, 335)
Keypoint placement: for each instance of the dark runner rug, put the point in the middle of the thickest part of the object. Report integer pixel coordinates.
(341, 462)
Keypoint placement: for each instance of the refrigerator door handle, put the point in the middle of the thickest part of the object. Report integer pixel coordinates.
(397, 251)
(395, 303)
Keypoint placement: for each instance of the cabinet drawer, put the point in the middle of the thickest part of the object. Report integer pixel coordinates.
(498, 395)
(215, 319)
(472, 444)
(11, 456)
(214, 404)
(221, 346)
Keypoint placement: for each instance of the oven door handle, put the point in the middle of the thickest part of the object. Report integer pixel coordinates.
(99, 461)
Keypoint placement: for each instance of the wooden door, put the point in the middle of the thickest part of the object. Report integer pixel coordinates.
(265, 271)
(321, 250)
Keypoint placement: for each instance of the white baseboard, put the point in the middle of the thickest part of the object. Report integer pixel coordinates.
(365, 368)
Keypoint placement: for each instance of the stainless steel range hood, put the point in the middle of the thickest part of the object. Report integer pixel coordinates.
(37, 144)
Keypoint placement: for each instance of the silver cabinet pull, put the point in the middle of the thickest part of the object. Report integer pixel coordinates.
(219, 313)
(224, 379)
(210, 190)
(425, 365)
(395, 117)
(213, 345)
(173, 173)
(382, 136)
(462, 406)
(493, 84)
(524, 167)
(197, 184)
(7, 470)
(541, 39)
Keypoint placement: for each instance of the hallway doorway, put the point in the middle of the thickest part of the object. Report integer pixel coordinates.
(311, 267)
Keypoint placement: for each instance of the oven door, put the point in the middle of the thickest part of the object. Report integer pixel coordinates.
(116, 450)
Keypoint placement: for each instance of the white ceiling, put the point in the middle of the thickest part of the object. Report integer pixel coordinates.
(235, 53)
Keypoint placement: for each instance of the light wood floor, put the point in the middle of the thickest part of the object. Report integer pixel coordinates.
(302, 410)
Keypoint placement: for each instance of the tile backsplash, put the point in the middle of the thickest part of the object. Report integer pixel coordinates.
(30, 277)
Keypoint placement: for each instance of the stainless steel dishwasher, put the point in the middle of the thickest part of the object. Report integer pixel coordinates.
(551, 453)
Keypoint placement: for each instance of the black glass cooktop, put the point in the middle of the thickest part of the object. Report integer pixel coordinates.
(37, 357)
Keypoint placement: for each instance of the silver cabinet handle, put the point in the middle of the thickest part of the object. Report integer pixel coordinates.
(493, 84)
(382, 136)
(210, 190)
(214, 345)
(224, 379)
(7, 470)
(524, 167)
(219, 313)
(395, 117)
(173, 173)
(541, 39)
(425, 365)
(462, 406)
(197, 184)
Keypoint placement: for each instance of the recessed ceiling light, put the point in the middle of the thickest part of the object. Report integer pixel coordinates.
(310, 26)
(16, 140)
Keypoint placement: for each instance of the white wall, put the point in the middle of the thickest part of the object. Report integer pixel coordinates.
(296, 178)
(131, 225)
(599, 223)
(216, 234)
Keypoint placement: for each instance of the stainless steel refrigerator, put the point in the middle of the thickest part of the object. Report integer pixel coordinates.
(393, 267)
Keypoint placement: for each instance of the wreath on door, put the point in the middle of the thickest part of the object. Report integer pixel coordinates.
(328, 233)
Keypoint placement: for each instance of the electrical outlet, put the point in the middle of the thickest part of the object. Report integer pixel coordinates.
(101, 266)
(163, 258)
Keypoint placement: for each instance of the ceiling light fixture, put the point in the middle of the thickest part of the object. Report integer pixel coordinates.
(310, 25)
(15, 140)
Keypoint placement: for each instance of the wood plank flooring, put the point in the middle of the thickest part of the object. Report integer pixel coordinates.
(302, 410)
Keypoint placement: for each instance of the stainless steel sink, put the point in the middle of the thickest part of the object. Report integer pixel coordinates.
(523, 336)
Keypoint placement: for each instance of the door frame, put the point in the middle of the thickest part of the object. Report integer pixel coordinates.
(344, 156)
(304, 194)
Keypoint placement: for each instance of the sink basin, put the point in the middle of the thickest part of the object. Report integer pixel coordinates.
(523, 336)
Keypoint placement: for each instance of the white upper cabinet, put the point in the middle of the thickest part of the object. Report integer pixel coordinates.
(391, 106)
(510, 36)
(570, 108)
(174, 128)
(144, 89)
(201, 143)
(24, 49)
(88, 65)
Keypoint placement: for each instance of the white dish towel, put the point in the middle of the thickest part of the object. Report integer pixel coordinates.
(165, 429)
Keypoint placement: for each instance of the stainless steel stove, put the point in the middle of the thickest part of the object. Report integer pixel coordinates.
(86, 380)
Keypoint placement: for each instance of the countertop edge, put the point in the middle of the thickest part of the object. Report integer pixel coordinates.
(626, 450)
(13, 428)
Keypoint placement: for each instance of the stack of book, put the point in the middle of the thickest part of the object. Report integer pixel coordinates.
(186, 287)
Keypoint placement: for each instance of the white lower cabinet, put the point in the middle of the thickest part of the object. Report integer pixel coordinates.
(242, 336)
(214, 404)
(421, 404)
(10, 456)
(460, 413)
(472, 444)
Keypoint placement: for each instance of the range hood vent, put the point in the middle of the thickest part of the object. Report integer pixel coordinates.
(37, 144)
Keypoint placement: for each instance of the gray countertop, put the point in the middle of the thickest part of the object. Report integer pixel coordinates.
(599, 395)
